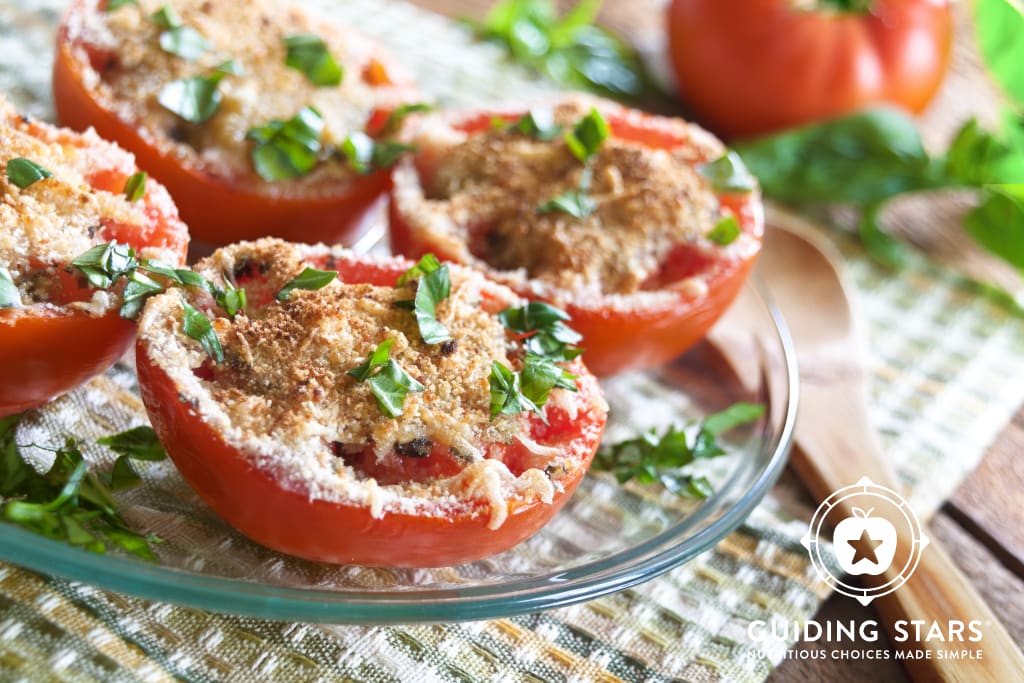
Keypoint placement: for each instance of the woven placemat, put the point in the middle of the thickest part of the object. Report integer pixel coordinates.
(944, 363)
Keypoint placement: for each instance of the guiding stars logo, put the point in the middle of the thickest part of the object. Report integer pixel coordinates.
(875, 532)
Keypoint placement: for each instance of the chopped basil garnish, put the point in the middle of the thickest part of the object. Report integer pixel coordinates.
(549, 336)
(725, 231)
(230, 68)
(506, 392)
(196, 325)
(231, 299)
(398, 114)
(68, 503)
(140, 443)
(135, 187)
(433, 286)
(517, 392)
(650, 458)
(586, 138)
(728, 173)
(387, 152)
(118, 4)
(576, 203)
(287, 149)
(139, 288)
(309, 279)
(105, 263)
(539, 124)
(389, 383)
(194, 99)
(23, 172)
(10, 297)
(185, 42)
(309, 54)
(366, 155)
(166, 17)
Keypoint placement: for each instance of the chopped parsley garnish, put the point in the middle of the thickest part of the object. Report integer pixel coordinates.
(118, 4)
(725, 231)
(588, 135)
(728, 173)
(166, 17)
(196, 325)
(398, 114)
(10, 297)
(389, 383)
(68, 502)
(539, 124)
(650, 458)
(23, 172)
(365, 155)
(230, 68)
(528, 389)
(575, 202)
(287, 149)
(433, 285)
(135, 187)
(309, 54)
(185, 42)
(310, 279)
(194, 99)
(549, 336)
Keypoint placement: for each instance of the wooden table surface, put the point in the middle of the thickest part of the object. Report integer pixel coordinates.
(982, 525)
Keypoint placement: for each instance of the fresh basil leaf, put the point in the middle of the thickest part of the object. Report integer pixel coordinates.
(861, 159)
(358, 149)
(179, 276)
(10, 297)
(398, 115)
(135, 186)
(540, 375)
(231, 299)
(194, 99)
(725, 231)
(390, 386)
(588, 135)
(999, 25)
(997, 224)
(506, 395)
(882, 247)
(139, 443)
(539, 124)
(387, 152)
(309, 54)
(196, 325)
(166, 17)
(374, 360)
(118, 4)
(728, 173)
(287, 149)
(735, 415)
(138, 290)
(23, 172)
(427, 264)
(230, 68)
(309, 279)
(549, 336)
(123, 476)
(104, 263)
(185, 42)
(977, 157)
(432, 289)
(576, 203)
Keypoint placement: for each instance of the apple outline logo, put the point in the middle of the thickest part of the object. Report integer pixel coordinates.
(862, 525)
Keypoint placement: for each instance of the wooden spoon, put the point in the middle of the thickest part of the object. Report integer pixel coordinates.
(836, 447)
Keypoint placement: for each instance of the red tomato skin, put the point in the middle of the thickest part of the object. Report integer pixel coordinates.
(255, 504)
(218, 210)
(617, 340)
(752, 67)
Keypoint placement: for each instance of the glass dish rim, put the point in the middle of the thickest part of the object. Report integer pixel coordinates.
(610, 574)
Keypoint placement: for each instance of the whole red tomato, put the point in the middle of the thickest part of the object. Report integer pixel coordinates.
(748, 67)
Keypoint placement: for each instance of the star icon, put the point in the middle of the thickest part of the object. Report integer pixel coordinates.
(864, 548)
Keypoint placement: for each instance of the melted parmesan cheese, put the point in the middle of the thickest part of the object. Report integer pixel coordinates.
(649, 201)
(134, 69)
(282, 395)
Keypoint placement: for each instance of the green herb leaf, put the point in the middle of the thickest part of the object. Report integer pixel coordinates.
(506, 393)
(23, 172)
(427, 264)
(735, 415)
(139, 443)
(358, 150)
(540, 375)
(374, 360)
(166, 17)
(573, 202)
(977, 157)
(390, 386)
(728, 173)
(999, 25)
(231, 299)
(138, 290)
(398, 115)
(308, 53)
(881, 246)
(194, 99)
(287, 149)
(309, 279)
(549, 336)
(432, 288)
(387, 152)
(118, 4)
(587, 137)
(539, 124)
(10, 297)
(230, 68)
(135, 187)
(123, 476)
(105, 263)
(725, 231)
(185, 42)
(196, 325)
(997, 223)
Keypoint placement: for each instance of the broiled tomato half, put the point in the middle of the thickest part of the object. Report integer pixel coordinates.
(259, 119)
(380, 416)
(61, 193)
(642, 228)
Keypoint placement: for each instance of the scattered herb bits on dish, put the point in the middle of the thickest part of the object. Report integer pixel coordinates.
(63, 194)
(642, 228)
(368, 411)
(250, 113)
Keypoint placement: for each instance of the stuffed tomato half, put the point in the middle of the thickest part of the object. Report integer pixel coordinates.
(62, 195)
(259, 118)
(642, 228)
(367, 411)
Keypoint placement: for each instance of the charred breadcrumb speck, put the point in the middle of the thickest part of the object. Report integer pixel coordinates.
(449, 347)
(417, 448)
